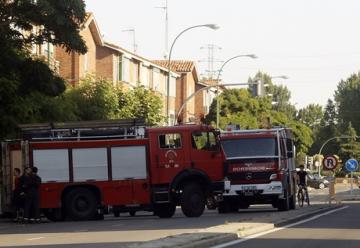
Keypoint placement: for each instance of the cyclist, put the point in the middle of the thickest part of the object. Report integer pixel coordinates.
(301, 177)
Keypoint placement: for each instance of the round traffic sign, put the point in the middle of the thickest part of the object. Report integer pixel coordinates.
(352, 165)
(330, 162)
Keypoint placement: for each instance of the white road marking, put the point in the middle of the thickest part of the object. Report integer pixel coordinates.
(35, 238)
(277, 229)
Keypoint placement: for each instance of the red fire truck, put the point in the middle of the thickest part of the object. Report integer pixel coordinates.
(87, 167)
(259, 168)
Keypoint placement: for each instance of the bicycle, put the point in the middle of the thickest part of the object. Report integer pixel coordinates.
(302, 196)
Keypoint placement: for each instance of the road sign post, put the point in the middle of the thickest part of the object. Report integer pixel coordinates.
(329, 163)
(351, 165)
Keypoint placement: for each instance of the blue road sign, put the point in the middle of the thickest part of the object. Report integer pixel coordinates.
(352, 165)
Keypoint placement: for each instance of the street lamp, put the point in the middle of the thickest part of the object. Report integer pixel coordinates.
(253, 56)
(212, 26)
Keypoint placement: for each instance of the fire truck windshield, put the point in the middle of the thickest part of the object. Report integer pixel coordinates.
(250, 148)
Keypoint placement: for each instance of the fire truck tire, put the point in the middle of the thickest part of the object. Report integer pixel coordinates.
(193, 200)
(54, 214)
(165, 210)
(132, 213)
(284, 204)
(81, 204)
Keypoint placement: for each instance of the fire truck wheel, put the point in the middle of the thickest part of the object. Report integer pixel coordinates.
(165, 210)
(81, 204)
(132, 213)
(192, 200)
(54, 214)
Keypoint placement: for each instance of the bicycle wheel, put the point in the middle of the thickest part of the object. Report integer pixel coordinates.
(300, 197)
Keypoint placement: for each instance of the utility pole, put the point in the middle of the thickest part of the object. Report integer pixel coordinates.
(210, 59)
(165, 8)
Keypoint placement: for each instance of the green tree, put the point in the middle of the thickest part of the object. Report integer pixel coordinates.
(98, 99)
(26, 83)
(311, 115)
(351, 148)
(239, 107)
(347, 98)
(328, 129)
(93, 99)
(141, 103)
(279, 95)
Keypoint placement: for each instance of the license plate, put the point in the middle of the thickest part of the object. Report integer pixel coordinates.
(248, 187)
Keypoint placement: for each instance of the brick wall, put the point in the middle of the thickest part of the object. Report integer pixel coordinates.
(91, 54)
(199, 101)
(104, 62)
(68, 64)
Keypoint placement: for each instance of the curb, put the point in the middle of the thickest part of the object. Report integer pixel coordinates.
(216, 240)
(223, 238)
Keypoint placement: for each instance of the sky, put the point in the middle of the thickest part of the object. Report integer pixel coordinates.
(315, 43)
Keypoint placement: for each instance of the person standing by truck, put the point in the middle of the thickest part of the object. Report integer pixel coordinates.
(35, 204)
(30, 183)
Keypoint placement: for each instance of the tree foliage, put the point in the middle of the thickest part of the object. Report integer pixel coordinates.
(311, 115)
(98, 99)
(27, 86)
(239, 107)
(350, 148)
(347, 97)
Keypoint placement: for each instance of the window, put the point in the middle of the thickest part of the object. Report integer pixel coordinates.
(135, 71)
(250, 147)
(172, 87)
(145, 76)
(170, 141)
(117, 67)
(126, 69)
(204, 141)
(156, 79)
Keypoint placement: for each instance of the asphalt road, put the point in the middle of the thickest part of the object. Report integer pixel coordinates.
(118, 232)
(338, 229)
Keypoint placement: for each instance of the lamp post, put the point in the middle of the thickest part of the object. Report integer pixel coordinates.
(212, 26)
(253, 56)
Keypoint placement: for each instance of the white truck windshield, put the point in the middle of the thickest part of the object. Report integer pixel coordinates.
(250, 147)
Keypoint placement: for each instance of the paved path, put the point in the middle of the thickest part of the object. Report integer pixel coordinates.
(121, 232)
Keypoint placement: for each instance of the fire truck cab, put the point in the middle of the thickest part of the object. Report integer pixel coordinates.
(89, 167)
(259, 168)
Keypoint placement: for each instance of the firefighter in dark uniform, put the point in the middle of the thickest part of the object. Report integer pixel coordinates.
(30, 184)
